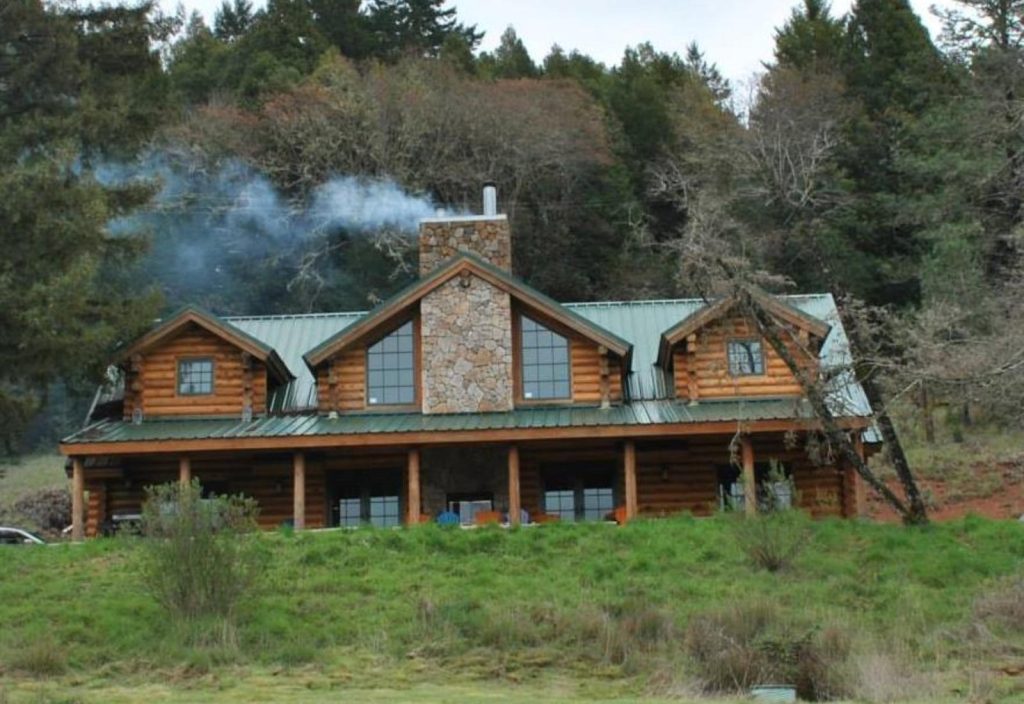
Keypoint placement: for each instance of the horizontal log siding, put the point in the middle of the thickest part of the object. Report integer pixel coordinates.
(96, 508)
(673, 481)
(586, 373)
(268, 481)
(156, 385)
(341, 382)
(710, 361)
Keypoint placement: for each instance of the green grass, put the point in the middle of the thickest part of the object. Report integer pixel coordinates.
(450, 615)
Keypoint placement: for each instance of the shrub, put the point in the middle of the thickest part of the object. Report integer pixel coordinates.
(40, 658)
(198, 564)
(48, 509)
(771, 541)
(1003, 607)
(753, 643)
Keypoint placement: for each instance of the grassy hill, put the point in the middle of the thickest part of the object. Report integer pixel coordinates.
(554, 613)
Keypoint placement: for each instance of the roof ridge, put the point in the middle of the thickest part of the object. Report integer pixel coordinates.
(663, 301)
(291, 316)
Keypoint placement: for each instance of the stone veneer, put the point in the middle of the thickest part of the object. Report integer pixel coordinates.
(463, 470)
(488, 237)
(466, 339)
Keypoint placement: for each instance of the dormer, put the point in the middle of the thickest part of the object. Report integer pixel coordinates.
(718, 352)
(196, 364)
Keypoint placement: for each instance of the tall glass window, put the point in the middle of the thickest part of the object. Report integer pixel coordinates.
(195, 377)
(745, 358)
(390, 369)
(545, 363)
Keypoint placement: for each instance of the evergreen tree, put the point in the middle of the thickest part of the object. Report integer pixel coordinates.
(79, 89)
(511, 59)
(708, 74)
(420, 27)
(343, 25)
(233, 19)
(811, 39)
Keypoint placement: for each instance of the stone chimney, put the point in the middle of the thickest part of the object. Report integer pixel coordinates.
(488, 236)
(466, 324)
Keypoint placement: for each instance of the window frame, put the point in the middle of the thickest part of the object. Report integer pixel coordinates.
(177, 376)
(519, 360)
(578, 479)
(416, 383)
(745, 341)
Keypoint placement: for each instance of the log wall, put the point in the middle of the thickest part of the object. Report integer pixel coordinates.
(701, 365)
(268, 480)
(341, 382)
(152, 382)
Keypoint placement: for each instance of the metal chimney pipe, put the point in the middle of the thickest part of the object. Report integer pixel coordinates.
(490, 198)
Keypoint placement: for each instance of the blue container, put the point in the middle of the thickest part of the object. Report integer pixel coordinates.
(773, 692)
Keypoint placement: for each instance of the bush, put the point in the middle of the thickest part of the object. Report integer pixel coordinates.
(771, 541)
(198, 563)
(753, 644)
(40, 658)
(48, 509)
(1003, 607)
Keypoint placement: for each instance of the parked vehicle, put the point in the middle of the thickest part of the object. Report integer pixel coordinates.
(18, 536)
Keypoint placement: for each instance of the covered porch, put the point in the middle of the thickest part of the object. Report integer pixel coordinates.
(510, 482)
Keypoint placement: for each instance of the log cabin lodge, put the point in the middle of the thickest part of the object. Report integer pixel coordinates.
(470, 397)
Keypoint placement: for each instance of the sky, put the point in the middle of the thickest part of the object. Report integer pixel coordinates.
(735, 34)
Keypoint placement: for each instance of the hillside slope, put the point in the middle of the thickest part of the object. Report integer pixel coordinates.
(592, 610)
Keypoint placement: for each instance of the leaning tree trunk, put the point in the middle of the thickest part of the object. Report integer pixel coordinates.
(913, 510)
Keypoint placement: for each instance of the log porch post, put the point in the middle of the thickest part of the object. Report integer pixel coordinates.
(749, 477)
(859, 496)
(514, 499)
(185, 471)
(629, 475)
(77, 499)
(412, 475)
(299, 491)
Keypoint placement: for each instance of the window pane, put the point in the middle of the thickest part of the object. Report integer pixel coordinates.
(597, 503)
(349, 512)
(561, 503)
(390, 366)
(195, 376)
(384, 511)
(745, 358)
(545, 358)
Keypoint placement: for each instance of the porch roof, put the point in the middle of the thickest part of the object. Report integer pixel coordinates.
(646, 413)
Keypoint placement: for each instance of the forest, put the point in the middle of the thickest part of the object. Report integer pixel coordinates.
(277, 162)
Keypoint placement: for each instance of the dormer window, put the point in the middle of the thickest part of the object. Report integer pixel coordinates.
(391, 369)
(195, 377)
(746, 358)
(545, 362)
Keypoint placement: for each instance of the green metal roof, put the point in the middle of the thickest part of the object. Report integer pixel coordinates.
(445, 271)
(639, 323)
(637, 413)
(292, 336)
